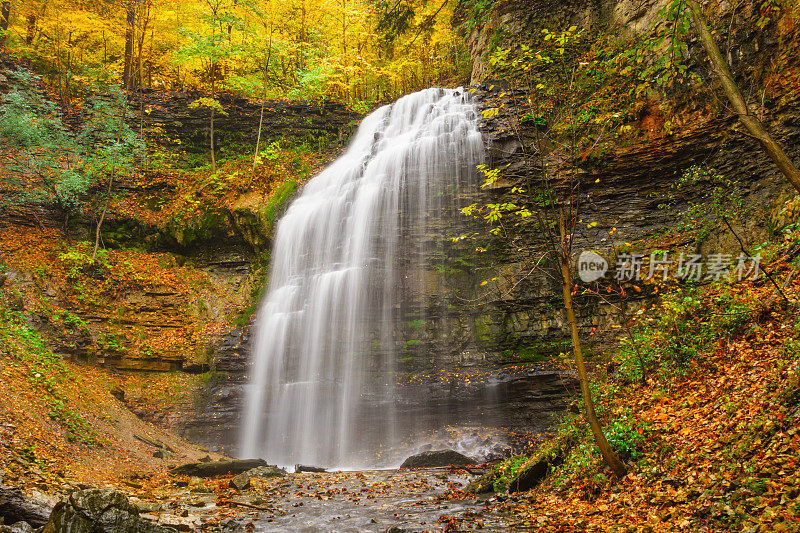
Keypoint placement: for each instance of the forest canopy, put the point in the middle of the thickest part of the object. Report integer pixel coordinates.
(354, 51)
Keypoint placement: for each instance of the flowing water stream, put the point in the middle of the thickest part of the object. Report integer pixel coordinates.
(353, 269)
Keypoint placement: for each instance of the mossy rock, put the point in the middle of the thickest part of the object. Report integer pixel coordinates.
(483, 484)
(99, 511)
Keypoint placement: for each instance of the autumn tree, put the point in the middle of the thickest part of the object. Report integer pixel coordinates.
(47, 154)
(30, 29)
(5, 17)
(355, 51)
(110, 149)
(212, 46)
(266, 19)
(130, 37)
(55, 165)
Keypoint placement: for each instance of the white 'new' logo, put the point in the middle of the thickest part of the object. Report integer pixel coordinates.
(591, 266)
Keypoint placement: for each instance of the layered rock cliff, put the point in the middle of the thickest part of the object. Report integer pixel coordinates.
(629, 181)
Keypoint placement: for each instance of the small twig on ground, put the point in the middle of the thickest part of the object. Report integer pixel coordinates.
(467, 470)
(248, 505)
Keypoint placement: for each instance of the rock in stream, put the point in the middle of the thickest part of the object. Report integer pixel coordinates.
(437, 459)
(242, 481)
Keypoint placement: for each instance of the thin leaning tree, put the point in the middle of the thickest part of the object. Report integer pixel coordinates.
(555, 206)
(566, 232)
(547, 206)
(734, 95)
(558, 194)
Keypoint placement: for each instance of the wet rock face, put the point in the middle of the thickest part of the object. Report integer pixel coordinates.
(99, 511)
(518, 17)
(213, 420)
(16, 507)
(627, 190)
(629, 184)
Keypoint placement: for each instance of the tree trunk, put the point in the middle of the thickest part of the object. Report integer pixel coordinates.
(734, 95)
(260, 122)
(263, 97)
(605, 449)
(110, 185)
(130, 38)
(100, 225)
(213, 157)
(102, 217)
(230, 26)
(144, 19)
(302, 57)
(31, 30)
(5, 16)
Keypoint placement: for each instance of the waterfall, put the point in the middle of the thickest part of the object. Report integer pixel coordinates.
(352, 266)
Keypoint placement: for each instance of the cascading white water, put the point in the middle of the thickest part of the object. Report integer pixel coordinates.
(351, 252)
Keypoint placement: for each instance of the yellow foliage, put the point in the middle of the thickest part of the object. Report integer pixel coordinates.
(341, 49)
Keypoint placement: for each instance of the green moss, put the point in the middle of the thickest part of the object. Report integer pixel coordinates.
(537, 352)
(277, 200)
(475, 11)
(246, 315)
(486, 326)
(506, 471)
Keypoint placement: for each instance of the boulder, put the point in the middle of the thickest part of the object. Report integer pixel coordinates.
(242, 481)
(178, 523)
(16, 507)
(118, 393)
(436, 459)
(149, 507)
(217, 468)
(99, 511)
(19, 527)
(231, 525)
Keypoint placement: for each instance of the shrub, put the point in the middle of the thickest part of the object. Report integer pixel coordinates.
(689, 324)
(626, 435)
(78, 262)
